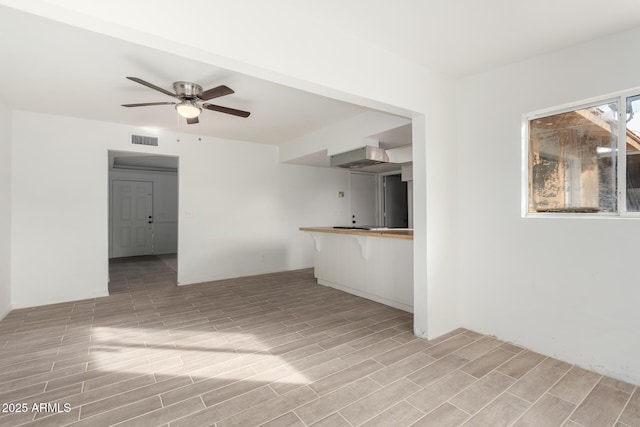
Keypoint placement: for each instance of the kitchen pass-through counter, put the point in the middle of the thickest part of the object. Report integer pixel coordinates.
(372, 263)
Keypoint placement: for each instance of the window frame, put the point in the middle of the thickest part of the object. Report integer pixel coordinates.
(621, 156)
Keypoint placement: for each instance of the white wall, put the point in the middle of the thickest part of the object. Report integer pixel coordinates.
(563, 287)
(239, 208)
(165, 206)
(5, 210)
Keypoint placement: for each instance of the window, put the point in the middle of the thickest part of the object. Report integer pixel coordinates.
(575, 163)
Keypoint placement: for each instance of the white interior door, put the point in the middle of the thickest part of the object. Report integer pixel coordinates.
(363, 199)
(132, 218)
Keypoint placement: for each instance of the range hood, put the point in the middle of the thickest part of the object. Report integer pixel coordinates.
(364, 156)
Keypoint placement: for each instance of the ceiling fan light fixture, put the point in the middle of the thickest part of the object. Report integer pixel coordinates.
(188, 109)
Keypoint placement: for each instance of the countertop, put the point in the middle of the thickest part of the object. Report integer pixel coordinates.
(392, 233)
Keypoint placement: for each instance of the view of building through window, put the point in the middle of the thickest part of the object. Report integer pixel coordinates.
(572, 161)
(633, 154)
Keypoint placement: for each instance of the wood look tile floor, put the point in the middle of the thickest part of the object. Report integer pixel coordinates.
(275, 350)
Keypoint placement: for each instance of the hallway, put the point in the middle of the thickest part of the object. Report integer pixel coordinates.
(140, 272)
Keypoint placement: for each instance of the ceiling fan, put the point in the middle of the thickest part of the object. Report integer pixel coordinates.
(188, 95)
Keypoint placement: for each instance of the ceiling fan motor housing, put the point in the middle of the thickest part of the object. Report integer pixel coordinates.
(187, 90)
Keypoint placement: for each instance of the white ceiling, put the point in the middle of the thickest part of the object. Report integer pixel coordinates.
(54, 68)
(462, 37)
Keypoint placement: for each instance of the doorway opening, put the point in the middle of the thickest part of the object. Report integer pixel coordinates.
(395, 201)
(143, 220)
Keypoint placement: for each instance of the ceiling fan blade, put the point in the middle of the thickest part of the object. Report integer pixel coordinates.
(147, 104)
(152, 86)
(226, 110)
(193, 121)
(215, 92)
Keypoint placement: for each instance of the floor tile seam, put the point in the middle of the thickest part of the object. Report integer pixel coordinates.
(377, 411)
(407, 375)
(389, 337)
(459, 408)
(18, 347)
(438, 406)
(115, 365)
(296, 372)
(548, 391)
(439, 340)
(376, 391)
(424, 386)
(462, 390)
(273, 398)
(48, 416)
(524, 374)
(335, 337)
(583, 399)
(43, 372)
(108, 361)
(302, 359)
(124, 392)
(452, 351)
(263, 345)
(190, 321)
(482, 354)
(336, 411)
(288, 412)
(23, 398)
(210, 390)
(313, 343)
(493, 400)
(44, 322)
(495, 369)
(517, 397)
(318, 327)
(16, 332)
(623, 408)
(405, 357)
(618, 388)
(346, 420)
(548, 388)
(107, 397)
(159, 409)
(406, 400)
(120, 407)
(33, 418)
(42, 360)
(351, 382)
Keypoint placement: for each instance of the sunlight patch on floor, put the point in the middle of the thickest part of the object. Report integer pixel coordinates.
(207, 355)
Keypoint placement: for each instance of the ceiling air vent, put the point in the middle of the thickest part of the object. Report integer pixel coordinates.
(144, 140)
